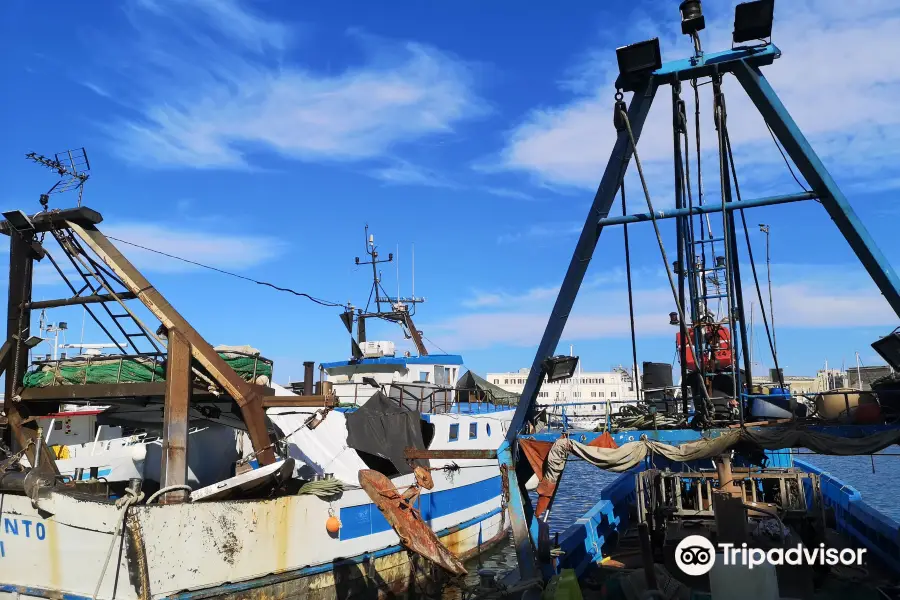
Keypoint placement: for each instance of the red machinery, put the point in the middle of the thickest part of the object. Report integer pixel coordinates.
(717, 345)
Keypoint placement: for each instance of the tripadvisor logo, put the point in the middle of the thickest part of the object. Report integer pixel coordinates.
(695, 555)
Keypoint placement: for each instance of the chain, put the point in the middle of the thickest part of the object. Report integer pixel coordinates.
(13, 459)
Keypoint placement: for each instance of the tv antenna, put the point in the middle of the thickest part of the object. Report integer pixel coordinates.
(73, 169)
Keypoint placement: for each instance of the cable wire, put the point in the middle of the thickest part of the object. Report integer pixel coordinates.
(786, 161)
(244, 277)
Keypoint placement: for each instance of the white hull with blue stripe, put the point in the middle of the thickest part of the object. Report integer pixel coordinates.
(247, 549)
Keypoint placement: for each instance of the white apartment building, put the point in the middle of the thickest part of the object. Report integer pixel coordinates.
(587, 397)
(583, 387)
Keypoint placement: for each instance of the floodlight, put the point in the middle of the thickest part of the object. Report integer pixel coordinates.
(753, 20)
(63, 325)
(33, 341)
(371, 381)
(636, 62)
(692, 19)
(673, 318)
(560, 367)
(18, 221)
(888, 348)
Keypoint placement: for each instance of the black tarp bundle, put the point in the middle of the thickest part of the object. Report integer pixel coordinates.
(383, 428)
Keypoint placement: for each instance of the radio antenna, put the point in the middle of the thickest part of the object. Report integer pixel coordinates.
(73, 169)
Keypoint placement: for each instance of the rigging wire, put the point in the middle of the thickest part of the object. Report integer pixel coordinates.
(433, 344)
(762, 309)
(720, 118)
(630, 295)
(245, 278)
(662, 247)
(786, 161)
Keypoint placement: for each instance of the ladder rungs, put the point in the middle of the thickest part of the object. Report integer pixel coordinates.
(714, 296)
(709, 241)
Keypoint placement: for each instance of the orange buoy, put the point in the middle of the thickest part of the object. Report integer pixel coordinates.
(333, 525)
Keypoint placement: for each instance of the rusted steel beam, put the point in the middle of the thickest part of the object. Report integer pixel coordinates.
(18, 319)
(298, 401)
(246, 397)
(416, 336)
(77, 300)
(14, 353)
(16, 415)
(175, 417)
(58, 219)
(415, 453)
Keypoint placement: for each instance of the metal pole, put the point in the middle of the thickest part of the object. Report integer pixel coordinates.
(765, 229)
(679, 126)
(707, 208)
(584, 250)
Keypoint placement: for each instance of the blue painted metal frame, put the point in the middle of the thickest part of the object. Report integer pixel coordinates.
(581, 258)
(681, 436)
(744, 63)
(524, 547)
(708, 208)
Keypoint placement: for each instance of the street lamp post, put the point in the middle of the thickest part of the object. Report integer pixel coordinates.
(765, 229)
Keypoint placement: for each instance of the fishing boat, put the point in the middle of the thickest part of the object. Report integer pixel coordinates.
(317, 500)
(714, 504)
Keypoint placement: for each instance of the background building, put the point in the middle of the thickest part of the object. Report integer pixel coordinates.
(587, 386)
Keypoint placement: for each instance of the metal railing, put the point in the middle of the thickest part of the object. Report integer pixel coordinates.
(425, 398)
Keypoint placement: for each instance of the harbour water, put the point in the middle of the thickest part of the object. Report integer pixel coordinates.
(578, 492)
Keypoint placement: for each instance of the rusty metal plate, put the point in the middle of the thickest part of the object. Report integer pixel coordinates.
(414, 533)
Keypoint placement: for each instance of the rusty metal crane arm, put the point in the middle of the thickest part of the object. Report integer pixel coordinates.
(243, 393)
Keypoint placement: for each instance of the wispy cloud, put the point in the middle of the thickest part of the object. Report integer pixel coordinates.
(402, 172)
(211, 102)
(541, 231)
(805, 296)
(229, 17)
(841, 93)
(231, 251)
(96, 89)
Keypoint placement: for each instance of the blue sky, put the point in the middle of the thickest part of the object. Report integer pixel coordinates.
(260, 137)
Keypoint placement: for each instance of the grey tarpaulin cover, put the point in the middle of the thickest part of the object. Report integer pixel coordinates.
(383, 428)
(631, 454)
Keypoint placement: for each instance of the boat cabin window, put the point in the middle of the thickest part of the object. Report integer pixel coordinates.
(487, 426)
(473, 430)
(454, 432)
(423, 376)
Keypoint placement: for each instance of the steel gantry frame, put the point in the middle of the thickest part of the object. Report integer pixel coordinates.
(744, 64)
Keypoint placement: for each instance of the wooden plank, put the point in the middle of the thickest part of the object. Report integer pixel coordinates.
(78, 300)
(298, 401)
(91, 391)
(247, 398)
(47, 221)
(114, 391)
(175, 418)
